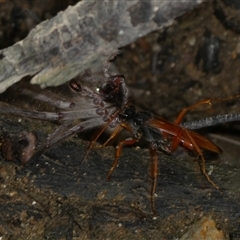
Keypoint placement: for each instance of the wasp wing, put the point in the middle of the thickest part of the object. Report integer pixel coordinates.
(170, 130)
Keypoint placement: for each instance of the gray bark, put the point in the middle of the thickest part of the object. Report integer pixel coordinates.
(82, 36)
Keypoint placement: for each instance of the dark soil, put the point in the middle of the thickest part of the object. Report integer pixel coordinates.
(196, 58)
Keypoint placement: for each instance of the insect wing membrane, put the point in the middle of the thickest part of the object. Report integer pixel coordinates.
(172, 129)
(202, 142)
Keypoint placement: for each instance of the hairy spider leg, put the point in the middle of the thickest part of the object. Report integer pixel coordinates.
(6, 108)
(57, 133)
(65, 131)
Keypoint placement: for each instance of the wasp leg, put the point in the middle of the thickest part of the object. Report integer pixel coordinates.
(184, 111)
(91, 144)
(175, 143)
(154, 175)
(203, 165)
(206, 101)
(116, 131)
(128, 141)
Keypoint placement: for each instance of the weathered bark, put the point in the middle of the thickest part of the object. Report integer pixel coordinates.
(82, 36)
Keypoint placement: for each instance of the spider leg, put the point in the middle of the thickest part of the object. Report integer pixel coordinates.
(6, 108)
(9, 109)
(59, 131)
(44, 98)
(78, 114)
(80, 127)
(65, 131)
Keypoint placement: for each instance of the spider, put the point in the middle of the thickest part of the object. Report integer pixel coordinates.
(103, 103)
